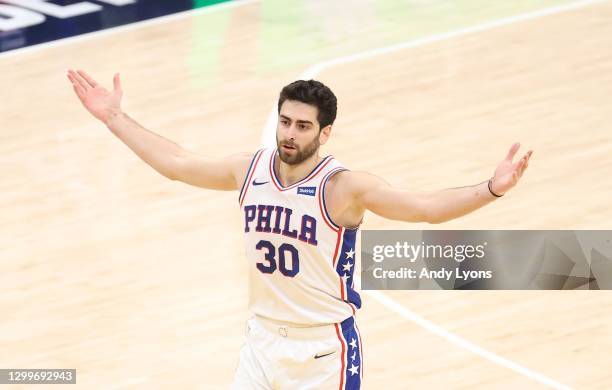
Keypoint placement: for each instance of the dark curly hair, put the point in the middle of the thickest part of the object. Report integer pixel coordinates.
(314, 93)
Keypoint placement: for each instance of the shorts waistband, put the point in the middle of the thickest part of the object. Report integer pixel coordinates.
(300, 332)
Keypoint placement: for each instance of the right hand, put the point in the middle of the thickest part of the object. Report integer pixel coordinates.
(100, 102)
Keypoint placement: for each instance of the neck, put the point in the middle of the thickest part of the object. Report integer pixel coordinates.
(291, 174)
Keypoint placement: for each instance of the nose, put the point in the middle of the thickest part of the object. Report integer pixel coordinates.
(290, 132)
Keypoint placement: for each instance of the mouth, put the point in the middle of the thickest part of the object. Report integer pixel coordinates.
(286, 147)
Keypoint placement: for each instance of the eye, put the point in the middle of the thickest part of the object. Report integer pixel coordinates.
(302, 127)
(284, 122)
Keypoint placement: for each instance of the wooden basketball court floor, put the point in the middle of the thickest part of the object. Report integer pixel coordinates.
(139, 282)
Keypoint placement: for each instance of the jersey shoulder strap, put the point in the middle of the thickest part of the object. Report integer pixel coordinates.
(256, 161)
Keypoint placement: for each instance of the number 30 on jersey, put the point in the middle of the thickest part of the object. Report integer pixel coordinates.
(285, 253)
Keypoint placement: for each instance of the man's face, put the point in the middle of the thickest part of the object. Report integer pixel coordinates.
(297, 133)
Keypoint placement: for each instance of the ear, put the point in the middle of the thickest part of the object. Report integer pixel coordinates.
(325, 134)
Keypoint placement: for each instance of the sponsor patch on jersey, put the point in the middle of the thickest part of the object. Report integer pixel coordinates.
(310, 191)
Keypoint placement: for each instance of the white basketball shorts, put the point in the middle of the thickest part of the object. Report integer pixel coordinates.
(284, 357)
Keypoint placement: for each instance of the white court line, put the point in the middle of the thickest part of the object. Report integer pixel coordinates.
(128, 27)
(268, 140)
(268, 137)
(461, 342)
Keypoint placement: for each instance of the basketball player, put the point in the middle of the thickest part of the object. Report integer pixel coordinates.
(301, 217)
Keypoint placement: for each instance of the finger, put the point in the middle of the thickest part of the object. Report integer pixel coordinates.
(76, 84)
(513, 151)
(88, 78)
(79, 92)
(526, 158)
(522, 167)
(79, 80)
(117, 83)
(519, 166)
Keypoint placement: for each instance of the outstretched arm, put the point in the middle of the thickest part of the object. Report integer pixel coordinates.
(372, 193)
(163, 155)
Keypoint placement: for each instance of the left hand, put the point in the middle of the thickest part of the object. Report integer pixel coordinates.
(507, 173)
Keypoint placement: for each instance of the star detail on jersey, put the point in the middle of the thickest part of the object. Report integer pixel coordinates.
(347, 266)
(345, 278)
(349, 254)
(353, 343)
(354, 369)
(353, 356)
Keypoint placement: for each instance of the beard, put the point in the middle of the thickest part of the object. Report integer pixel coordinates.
(300, 153)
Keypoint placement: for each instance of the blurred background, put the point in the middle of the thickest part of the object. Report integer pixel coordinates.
(139, 282)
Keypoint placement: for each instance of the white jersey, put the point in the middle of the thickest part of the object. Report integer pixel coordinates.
(301, 264)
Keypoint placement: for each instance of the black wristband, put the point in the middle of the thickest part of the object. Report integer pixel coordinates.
(491, 190)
